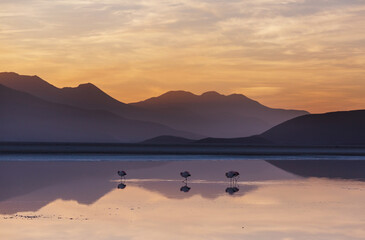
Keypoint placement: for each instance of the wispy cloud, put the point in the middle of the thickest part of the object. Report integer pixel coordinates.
(279, 52)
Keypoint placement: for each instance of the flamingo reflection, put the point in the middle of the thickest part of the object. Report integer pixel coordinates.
(185, 188)
(121, 185)
(122, 175)
(233, 185)
(232, 190)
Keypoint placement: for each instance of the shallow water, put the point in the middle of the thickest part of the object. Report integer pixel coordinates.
(275, 200)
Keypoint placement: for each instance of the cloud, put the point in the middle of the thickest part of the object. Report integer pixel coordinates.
(190, 44)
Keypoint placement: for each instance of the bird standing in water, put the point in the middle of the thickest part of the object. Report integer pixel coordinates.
(233, 175)
(185, 175)
(122, 174)
(233, 186)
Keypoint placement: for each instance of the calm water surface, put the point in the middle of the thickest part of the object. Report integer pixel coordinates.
(272, 200)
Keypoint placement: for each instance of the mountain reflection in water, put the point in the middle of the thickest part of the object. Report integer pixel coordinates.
(271, 200)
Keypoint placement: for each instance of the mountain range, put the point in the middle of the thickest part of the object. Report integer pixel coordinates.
(213, 114)
(34, 110)
(25, 118)
(346, 128)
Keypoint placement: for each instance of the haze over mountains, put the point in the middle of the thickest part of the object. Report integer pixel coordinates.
(86, 96)
(32, 110)
(25, 118)
(212, 114)
(177, 113)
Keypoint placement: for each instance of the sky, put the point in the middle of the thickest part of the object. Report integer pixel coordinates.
(298, 54)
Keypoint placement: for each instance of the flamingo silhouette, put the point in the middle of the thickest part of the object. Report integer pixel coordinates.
(233, 186)
(233, 175)
(122, 174)
(185, 175)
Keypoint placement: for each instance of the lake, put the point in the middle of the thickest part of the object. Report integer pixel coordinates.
(74, 198)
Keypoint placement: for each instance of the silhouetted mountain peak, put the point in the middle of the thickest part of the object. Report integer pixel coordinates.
(8, 74)
(209, 114)
(211, 94)
(165, 139)
(177, 94)
(239, 97)
(86, 95)
(21, 79)
(88, 86)
(19, 82)
(174, 97)
(171, 97)
(84, 86)
(221, 98)
(43, 121)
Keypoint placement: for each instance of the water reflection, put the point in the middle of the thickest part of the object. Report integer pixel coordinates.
(122, 185)
(233, 179)
(334, 169)
(185, 188)
(232, 190)
(46, 200)
(122, 175)
(233, 187)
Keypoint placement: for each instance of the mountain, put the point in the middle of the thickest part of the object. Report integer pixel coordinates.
(328, 129)
(168, 140)
(86, 96)
(212, 114)
(25, 118)
(335, 128)
(253, 140)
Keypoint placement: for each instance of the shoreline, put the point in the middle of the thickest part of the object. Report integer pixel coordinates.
(183, 149)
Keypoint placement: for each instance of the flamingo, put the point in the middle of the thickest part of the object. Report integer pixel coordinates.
(233, 187)
(185, 175)
(232, 175)
(122, 174)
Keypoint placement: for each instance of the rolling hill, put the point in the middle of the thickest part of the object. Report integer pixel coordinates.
(334, 128)
(329, 129)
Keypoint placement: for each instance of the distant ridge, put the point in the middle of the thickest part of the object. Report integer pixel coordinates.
(213, 114)
(346, 128)
(168, 140)
(25, 118)
(334, 128)
(253, 140)
(207, 115)
(86, 95)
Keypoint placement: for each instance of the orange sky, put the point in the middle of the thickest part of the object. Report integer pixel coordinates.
(301, 54)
